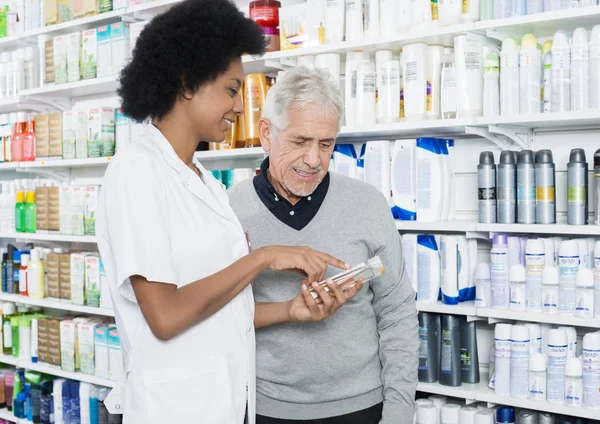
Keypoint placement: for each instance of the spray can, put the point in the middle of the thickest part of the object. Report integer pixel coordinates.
(547, 418)
(486, 180)
(526, 188)
(450, 364)
(577, 199)
(528, 417)
(545, 183)
(507, 188)
(505, 415)
(591, 370)
(597, 184)
(468, 352)
(429, 348)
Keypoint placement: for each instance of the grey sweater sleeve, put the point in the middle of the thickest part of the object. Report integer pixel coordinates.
(395, 309)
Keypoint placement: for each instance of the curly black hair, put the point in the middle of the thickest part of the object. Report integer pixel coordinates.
(189, 45)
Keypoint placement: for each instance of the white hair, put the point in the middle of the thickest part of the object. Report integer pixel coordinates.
(301, 88)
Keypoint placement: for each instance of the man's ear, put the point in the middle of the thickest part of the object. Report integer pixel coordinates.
(264, 132)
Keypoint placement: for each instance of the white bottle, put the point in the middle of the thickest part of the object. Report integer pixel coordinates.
(464, 268)
(594, 68)
(404, 15)
(449, 255)
(331, 63)
(388, 17)
(550, 278)
(354, 20)
(573, 382)
(557, 359)
(535, 259)
(409, 253)
(450, 12)
(591, 370)
(584, 294)
(537, 377)
(571, 340)
(580, 62)
(404, 180)
(509, 78)
(502, 347)
(568, 263)
(335, 13)
(450, 414)
(353, 61)
(482, 285)
(535, 337)
(388, 87)
(470, 11)
(427, 414)
(434, 81)
(377, 166)
(446, 192)
(371, 19)
(517, 288)
(428, 264)
(585, 256)
(547, 77)
(561, 72)
(514, 251)
(344, 160)
(421, 14)
(448, 92)
(365, 95)
(473, 248)
(500, 273)
(467, 414)
(597, 291)
(519, 361)
(548, 252)
(530, 69)
(414, 69)
(491, 87)
(469, 77)
(429, 180)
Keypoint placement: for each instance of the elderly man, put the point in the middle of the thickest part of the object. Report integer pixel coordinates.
(359, 366)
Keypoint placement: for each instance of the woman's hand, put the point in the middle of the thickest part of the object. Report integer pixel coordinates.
(310, 263)
(306, 308)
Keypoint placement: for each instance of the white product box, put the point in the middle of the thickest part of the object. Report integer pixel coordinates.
(105, 299)
(74, 56)
(92, 280)
(78, 210)
(86, 333)
(119, 39)
(64, 201)
(78, 278)
(115, 356)
(68, 137)
(67, 345)
(104, 52)
(89, 54)
(81, 134)
(94, 132)
(101, 351)
(60, 59)
(122, 130)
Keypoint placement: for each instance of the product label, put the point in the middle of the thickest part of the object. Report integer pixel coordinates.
(544, 194)
(351, 5)
(526, 184)
(429, 97)
(534, 268)
(499, 284)
(368, 83)
(264, 13)
(557, 358)
(591, 378)
(434, 10)
(465, 359)
(423, 349)
(446, 359)
(424, 281)
(410, 72)
(519, 365)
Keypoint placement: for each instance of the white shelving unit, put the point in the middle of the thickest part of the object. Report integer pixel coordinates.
(460, 226)
(506, 315)
(5, 414)
(464, 308)
(50, 237)
(57, 371)
(56, 305)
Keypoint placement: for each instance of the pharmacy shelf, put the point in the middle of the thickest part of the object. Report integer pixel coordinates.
(81, 88)
(464, 308)
(545, 24)
(8, 359)
(5, 166)
(66, 163)
(465, 391)
(548, 121)
(231, 158)
(408, 129)
(59, 372)
(151, 8)
(437, 227)
(5, 414)
(56, 304)
(59, 238)
(538, 317)
(563, 229)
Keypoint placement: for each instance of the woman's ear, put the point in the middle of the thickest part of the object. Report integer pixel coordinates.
(265, 133)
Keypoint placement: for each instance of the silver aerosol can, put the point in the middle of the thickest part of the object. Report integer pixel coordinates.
(577, 191)
(545, 188)
(507, 188)
(486, 181)
(597, 184)
(526, 187)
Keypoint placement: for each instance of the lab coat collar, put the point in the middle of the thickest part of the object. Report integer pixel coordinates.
(207, 189)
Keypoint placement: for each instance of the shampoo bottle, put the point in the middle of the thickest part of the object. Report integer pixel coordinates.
(469, 77)
(404, 180)
(414, 70)
(449, 254)
(450, 362)
(429, 180)
(428, 264)
(468, 352)
(429, 350)
(580, 62)
(365, 95)
(35, 276)
(377, 166)
(255, 91)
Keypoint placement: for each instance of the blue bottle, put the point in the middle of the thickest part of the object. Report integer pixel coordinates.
(505, 416)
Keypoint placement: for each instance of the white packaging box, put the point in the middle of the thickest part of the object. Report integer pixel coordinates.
(74, 56)
(92, 280)
(105, 299)
(94, 132)
(89, 54)
(92, 192)
(64, 201)
(67, 345)
(135, 30)
(78, 278)
(104, 52)
(122, 130)
(101, 351)
(81, 134)
(119, 40)
(115, 356)
(78, 210)
(86, 333)
(68, 137)
(60, 59)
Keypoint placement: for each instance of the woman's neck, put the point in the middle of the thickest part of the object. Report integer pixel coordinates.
(178, 134)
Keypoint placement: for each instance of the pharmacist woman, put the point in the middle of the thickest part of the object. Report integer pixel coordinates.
(177, 260)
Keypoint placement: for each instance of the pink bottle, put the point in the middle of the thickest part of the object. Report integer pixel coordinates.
(17, 141)
(29, 141)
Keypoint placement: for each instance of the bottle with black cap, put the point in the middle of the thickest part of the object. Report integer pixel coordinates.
(597, 184)
(577, 188)
(507, 188)
(450, 363)
(526, 187)
(429, 348)
(505, 415)
(486, 183)
(545, 184)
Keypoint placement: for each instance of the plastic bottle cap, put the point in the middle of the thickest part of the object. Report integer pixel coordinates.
(500, 240)
(591, 341)
(519, 333)
(503, 331)
(482, 271)
(535, 247)
(439, 400)
(517, 273)
(509, 45)
(579, 36)
(450, 413)
(544, 156)
(35, 255)
(383, 55)
(8, 308)
(508, 157)
(547, 47)
(585, 277)
(484, 416)
(550, 276)
(577, 156)
(557, 337)
(526, 156)
(569, 248)
(537, 362)
(561, 38)
(535, 331)
(486, 158)
(529, 42)
(427, 413)
(20, 197)
(25, 259)
(505, 415)
(574, 367)
(31, 197)
(491, 61)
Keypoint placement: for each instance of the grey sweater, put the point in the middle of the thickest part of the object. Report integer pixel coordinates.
(368, 351)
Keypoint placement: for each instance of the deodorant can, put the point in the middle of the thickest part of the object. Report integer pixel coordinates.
(505, 415)
(486, 182)
(577, 191)
(528, 417)
(597, 185)
(526, 188)
(545, 182)
(546, 418)
(468, 352)
(507, 188)
(450, 363)
(429, 348)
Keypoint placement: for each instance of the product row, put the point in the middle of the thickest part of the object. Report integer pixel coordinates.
(19, 70)
(76, 278)
(43, 399)
(437, 409)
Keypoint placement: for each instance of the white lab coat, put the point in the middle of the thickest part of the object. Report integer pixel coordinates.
(158, 219)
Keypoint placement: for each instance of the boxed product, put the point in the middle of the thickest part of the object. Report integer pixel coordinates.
(122, 130)
(300, 26)
(135, 30)
(65, 13)
(101, 351)
(81, 134)
(119, 40)
(67, 345)
(50, 8)
(79, 321)
(43, 340)
(74, 56)
(53, 209)
(84, 8)
(65, 276)
(89, 54)
(91, 205)
(33, 15)
(68, 135)
(54, 341)
(105, 300)
(86, 332)
(42, 136)
(55, 133)
(115, 356)
(105, 6)
(77, 210)
(53, 273)
(107, 132)
(92, 280)
(42, 208)
(78, 278)
(119, 4)
(94, 131)
(60, 59)
(104, 56)
(49, 61)
(64, 201)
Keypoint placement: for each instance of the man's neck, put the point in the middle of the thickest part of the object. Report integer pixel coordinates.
(281, 190)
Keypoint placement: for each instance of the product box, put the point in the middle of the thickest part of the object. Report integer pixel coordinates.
(135, 30)
(86, 333)
(119, 44)
(50, 12)
(122, 130)
(300, 26)
(42, 136)
(53, 209)
(94, 127)
(107, 132)
(42, 208)
(115, 356)
(77, 210)
(91, 205)
(67, 345)
(78, 278)
(68, 138)
(81, 134)
(105, 299)
(84, 8)
(89, 54)
(66, 226)
(53, 273)
(74, 56)
(101, 351)
(33, 15)
(65, 276)
(119, 4)
(49, 61)
(92, 280)
(65, 13)
(55, 132)
(43, 340)
(60, 59)
(104, 51)
(105, 6)
(54, 341)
